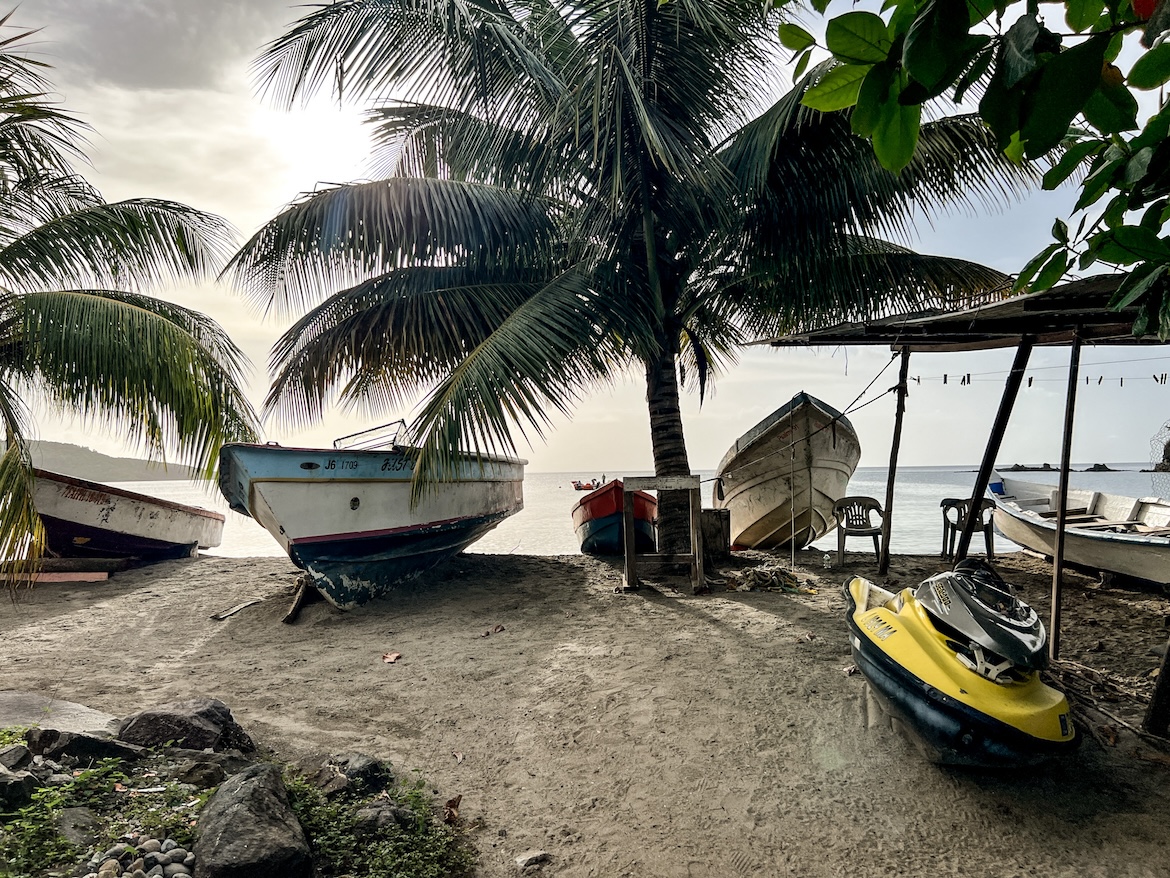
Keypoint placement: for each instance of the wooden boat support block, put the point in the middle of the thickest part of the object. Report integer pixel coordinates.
(662, 483)
(694, 558)
(69, 576)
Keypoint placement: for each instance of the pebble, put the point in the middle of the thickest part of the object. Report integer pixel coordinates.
(156, 858)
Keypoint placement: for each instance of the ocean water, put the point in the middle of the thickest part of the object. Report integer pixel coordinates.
(544, 526)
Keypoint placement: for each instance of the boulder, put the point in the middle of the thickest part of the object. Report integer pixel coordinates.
(16, 789)
(79, 826)
(333, 775)
(197, 724)
(55, 744)
(248, 830)
(14, 757)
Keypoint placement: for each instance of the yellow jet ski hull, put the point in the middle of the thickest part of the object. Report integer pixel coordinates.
(959, 716)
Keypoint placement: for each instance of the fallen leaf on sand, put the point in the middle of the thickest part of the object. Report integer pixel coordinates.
(809, 636)
(451, 809)
(850, 670)
(119, 788)
(458, 756)
(1110, 735)
(391, 657)
(497, 629)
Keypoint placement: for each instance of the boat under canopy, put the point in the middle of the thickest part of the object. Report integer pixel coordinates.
(1110, 532)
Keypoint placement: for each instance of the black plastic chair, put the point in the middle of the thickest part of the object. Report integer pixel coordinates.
(855, 519)
(954, 512)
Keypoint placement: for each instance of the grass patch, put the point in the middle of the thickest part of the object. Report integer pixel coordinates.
(135, 798)
(423, 848)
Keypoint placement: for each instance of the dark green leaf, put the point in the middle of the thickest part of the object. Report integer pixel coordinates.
(1052, 271)
(928, 53)
(896, 135)
(858, 37)
(1072, 159)
(1138, 164)
(978, 10)
(873, 99)
(837, 89)
(1111, 110)
(1083, 14)
(1033, 266)
(1066, 81)
(1152, 69)
(795, 37)
(802, 64)
(1134, 287)
(975, 72)
(1060, 231)
(1126, 245)
(1019, 58)
(1115, 211)
(1000, 109)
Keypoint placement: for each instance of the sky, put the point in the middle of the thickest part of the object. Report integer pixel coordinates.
(165, 85)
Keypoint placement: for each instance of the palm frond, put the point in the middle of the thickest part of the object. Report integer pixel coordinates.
(127, 244)
(342, 236)
(22, 535)
(167, 376)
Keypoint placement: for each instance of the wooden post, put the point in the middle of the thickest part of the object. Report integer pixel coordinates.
(895, 444)
(1070, 404)
(628, 537)
(1157, 721)
(1007, 402)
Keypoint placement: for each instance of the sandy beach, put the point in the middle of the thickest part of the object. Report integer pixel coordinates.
(650, 733)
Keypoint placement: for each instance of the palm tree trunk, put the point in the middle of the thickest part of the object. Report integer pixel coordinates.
(670, 451)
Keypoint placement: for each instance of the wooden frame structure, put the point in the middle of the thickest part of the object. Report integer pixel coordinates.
(1069, 315)
(694, 558)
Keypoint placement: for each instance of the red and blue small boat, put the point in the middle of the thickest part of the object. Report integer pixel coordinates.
(597, 520)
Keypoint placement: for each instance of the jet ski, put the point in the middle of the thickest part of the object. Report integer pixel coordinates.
(957, 659)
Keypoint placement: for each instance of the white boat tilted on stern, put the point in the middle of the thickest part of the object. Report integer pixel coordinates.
(1110, 532)
(345, 515)
(782, 477)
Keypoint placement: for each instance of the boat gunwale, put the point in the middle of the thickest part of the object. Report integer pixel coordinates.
(100, 487)
(765, 426)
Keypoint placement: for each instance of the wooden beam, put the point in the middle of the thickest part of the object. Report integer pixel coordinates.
(895, 444)
(1007, 402)
(1070, 404)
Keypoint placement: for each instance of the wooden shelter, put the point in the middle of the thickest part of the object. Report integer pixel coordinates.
(1069, 315)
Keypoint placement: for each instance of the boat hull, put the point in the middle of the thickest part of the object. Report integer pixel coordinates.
(957, 717)
(1138, 555)
(782, 478)
(597, 521)
(86, 519)
(348, 519)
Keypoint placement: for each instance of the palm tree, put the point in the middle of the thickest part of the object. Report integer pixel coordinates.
(571, 191)
(76, 328)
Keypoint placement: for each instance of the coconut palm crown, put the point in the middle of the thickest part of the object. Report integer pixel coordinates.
(76, 327)
(572, 190)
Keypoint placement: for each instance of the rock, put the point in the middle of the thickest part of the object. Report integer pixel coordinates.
(231, 761)
(333, 775)
(199, 723)
(15, 757)
(374, 819)
(531, 858)
(150, 846)
(248, 830)
(53, 744)
(79, 826)
(201, 775)
(16, 789)
(175, 869)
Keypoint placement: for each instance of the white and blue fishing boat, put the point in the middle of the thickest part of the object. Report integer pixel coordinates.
(345, 514)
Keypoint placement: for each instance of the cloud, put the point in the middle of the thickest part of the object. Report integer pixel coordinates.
(177, 44)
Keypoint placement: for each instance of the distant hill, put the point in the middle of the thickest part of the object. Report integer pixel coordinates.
(84, 463)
